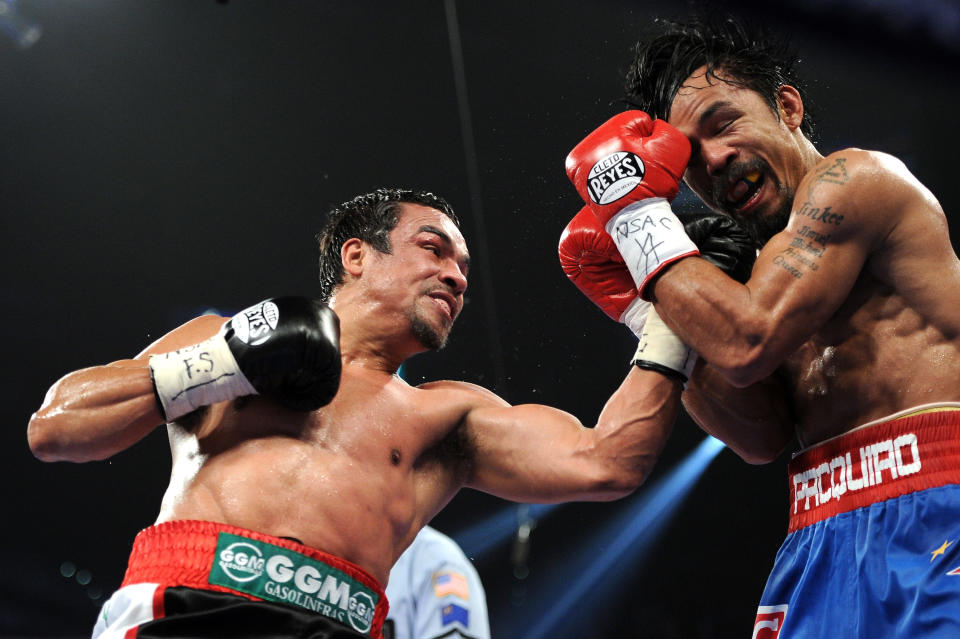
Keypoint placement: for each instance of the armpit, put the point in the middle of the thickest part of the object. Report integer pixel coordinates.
(456, 452)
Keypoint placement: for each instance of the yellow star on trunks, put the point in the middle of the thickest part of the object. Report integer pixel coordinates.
(939, 551)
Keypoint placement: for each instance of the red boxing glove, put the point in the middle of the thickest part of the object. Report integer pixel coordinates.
(627, 171)
(627, 159)
(591, 261)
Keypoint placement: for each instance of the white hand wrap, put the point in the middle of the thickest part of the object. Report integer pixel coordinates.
(635, 315)
(196, 376)
(649, 237)
(660, 347)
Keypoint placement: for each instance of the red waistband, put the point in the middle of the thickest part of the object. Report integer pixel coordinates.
(874, 463)
(182, 553)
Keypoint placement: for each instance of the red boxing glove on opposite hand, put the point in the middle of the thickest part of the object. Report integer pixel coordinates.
(627, 171)
(591, 261)
(626, 159)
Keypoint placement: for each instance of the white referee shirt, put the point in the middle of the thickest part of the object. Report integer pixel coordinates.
(434, 591)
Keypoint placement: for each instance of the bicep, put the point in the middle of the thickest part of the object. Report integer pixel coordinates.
(805, 273)
(541, 454)
(98, 411)
(522, 452)
(799, 283)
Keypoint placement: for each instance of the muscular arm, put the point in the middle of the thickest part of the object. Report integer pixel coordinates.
(755, 422)
(96, 412)
(844, 209)
(541, 454)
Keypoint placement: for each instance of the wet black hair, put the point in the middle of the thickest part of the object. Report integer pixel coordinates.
(748, 56)
(369, 217)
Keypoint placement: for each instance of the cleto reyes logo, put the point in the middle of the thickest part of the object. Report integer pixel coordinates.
(614, 176)
(254, 325)
(896, 457)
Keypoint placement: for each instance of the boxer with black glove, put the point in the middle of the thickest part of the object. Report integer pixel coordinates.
(286, 349)
(722, 241)
(256, 488)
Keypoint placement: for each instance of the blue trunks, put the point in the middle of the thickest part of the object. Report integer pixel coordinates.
(873, 545)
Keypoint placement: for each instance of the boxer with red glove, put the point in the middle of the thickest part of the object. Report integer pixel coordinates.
(627, 171)
(591, 261)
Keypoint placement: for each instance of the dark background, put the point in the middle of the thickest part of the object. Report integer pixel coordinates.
(158, 159)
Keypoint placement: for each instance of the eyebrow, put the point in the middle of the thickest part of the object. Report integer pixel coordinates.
(712, 110)
(429, 228)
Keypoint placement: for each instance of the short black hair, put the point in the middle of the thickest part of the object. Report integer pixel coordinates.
(369, 217)
(749, 56)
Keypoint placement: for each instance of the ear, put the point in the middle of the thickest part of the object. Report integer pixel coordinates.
(791, 106)
(352, 254)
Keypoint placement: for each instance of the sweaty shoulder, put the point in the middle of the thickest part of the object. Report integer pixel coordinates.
(194, 331)
(465, 391)
(862, 192)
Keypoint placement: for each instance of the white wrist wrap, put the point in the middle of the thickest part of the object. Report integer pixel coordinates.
(660, 345)
(635, 315)
(649, 237)
(196, 376)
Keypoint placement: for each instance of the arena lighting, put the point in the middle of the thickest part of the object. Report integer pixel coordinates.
(496, 529)
(22, 31)
(936, 20)
(594, 575)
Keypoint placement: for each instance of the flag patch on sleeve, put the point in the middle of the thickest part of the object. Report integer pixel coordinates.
(450, 583)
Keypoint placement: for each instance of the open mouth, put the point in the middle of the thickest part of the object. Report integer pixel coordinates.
(743, 192)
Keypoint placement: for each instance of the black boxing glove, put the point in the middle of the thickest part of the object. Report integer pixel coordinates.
(722, 242)
(286, 349)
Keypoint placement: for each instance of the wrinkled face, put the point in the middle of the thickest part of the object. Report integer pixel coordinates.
(425, 275)
(745, 160)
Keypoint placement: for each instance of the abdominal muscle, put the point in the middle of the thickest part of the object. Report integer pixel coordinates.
(876, 357)
(339, 499)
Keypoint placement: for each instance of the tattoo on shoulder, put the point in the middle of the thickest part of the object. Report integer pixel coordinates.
(836, 173)
(809, 243)
(825, 215)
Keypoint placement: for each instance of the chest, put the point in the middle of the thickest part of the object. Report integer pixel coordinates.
(385, 420)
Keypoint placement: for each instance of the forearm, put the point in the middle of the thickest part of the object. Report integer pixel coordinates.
(756, 421)
(535, 453)
(94, 413)
(634, 426)
(729, 324)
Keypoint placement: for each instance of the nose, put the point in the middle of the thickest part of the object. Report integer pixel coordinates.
(716, 156)
(454, 277)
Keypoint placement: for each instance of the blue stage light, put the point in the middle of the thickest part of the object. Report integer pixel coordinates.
(496, 529)
(611, 554)
(23, 31)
